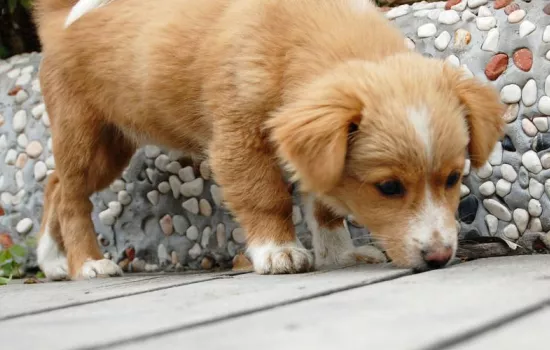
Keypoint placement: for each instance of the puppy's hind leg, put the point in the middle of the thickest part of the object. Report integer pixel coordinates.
(89, 154)
(50, 251)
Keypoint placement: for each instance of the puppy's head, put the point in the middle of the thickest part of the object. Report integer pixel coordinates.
(387, 142)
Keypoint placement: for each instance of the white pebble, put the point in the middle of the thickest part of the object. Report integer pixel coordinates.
(173, 167)
(398, 11)
(421, 13)
(423, 5)
(193, 188)
(175, 184)
(476, 3)
(510, 93)
(175, 155)
(541, 123)
(107, 218)
(18, 198)
(40, 171)
(34, 149)
(534, 207)
(526, 28)
(516, 16)
(485, 171)
(161, 162)
(297, 213)
(46, 119)
(192, 233)
(531, 161)
(546, 35)
(497, 209)
(529, 93)
(511, 232)
(24, 226)
(544, 105)
(164, 187)
(191, 205)
(491, 41)
(484, 11)
(503, 188)
(23, 79)
(426, 30)
(195, 252)
(492, 224)
(448, 17)
(467, 166)
(442, 40)
(464, 191)
(21, 96)
(528, 127)
(11, 157)
(434, 14)
(186, 174)
(487, 188)
(38, 110)
(115, 208)
(22, 141)
(495, 158)
(205, 208)
(453, 60)
(117, 185)
(152, 151)
(545, 160)
(468, 15)
(124, 198)
(547, 86)
(153, 197)
(521, 218)
(216, 194)
(19, 121)
(6, 198)
(485, 23)
(14, 73)
(536, 189)
(206, 234)
(239, 235)
(27, 70)
(535, 225)
(19, 179)
(511, 113)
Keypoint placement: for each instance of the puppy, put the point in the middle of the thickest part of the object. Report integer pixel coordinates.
(325, 90)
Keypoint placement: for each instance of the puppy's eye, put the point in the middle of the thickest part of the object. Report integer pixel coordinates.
(352, 128)
(453, 179)
(392, 188)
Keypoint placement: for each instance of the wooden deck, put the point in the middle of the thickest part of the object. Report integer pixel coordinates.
(500, 303)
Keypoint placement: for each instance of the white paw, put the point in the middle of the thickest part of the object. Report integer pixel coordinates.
(364, 254)
(56, 270)
(279, 259)
(95, 268)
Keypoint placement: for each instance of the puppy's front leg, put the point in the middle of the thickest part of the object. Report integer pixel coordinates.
(332, 242)
(254, 190)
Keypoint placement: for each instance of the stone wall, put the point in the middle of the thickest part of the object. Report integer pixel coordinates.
(165, 212)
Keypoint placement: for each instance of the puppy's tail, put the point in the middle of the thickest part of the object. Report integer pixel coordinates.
(78, 8)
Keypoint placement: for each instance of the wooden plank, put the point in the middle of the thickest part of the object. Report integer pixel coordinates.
(18, 299)
(414, 312)
(529, 332)
(129, 318)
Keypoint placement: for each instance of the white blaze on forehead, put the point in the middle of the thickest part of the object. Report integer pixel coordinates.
(421, 121)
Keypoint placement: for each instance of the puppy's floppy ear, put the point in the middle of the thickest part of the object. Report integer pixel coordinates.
(311, 136)
(484, 112)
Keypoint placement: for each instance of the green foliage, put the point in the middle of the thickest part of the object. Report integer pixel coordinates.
(11, 261)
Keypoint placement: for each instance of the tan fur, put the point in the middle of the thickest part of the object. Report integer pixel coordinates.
(246, 82)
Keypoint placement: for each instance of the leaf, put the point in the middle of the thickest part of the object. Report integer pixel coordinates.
(12, 5)
(4, 280)
(5, 256)
(18, 250)
(40, 274)
(27, 4)
(7, 270)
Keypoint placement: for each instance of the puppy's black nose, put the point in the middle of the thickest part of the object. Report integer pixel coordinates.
(436, 259)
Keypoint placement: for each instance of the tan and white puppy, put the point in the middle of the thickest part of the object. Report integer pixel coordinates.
(324, 89)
